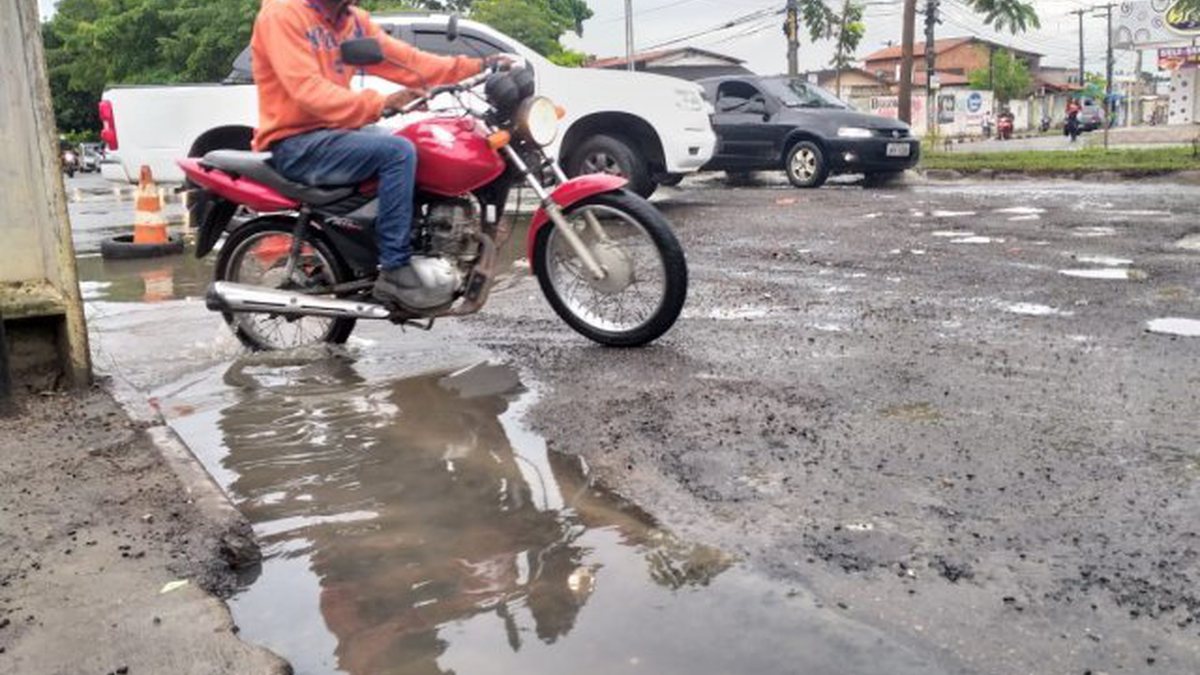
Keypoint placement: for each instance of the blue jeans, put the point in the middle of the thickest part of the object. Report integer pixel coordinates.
(337, 157)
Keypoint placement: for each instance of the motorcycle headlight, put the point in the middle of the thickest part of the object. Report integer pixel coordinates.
(538, 117)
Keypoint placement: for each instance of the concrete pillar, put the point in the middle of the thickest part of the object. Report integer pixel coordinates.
(39, 291)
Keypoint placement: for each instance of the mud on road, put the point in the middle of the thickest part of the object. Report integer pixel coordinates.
(93, 526)
(938, 407)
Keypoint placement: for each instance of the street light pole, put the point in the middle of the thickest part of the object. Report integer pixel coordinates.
(931, 21)
(629, 63)
(1108, 70)
(792, 28)
(906, 60)
(1082, 74)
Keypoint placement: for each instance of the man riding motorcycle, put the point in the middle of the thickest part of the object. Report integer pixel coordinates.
(312, 122)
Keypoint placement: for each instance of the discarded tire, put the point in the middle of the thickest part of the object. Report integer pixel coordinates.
(123, 248)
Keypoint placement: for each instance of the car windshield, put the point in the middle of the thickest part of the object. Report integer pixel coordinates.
(801, 94)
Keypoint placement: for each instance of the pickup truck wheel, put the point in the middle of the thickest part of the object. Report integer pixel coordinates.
(670, 179)
(806, 166)
(613, 156)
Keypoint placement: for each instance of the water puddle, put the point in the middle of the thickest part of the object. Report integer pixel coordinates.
(1094, 231)
(1180, 327)
(1107, 261)
(1032, 309)
(952, 214)
(977, 240)
(952, 234)
(415, 526)
(1190, 242)
(1107, 274)
(1022, 211)
(1024, 219)
(147, 280)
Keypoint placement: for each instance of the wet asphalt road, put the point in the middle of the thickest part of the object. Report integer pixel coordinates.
(892, 406)
(898, 399)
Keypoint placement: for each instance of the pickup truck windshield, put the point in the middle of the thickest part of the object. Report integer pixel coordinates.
(801, 94)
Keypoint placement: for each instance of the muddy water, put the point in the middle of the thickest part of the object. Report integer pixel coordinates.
(414, 526)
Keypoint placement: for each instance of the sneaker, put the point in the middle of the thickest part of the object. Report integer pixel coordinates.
(400, 286)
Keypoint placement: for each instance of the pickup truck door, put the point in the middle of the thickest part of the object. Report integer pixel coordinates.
(745, 137)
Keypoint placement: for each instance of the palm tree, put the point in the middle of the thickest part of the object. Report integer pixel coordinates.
(1015, 16)
(1012, 15)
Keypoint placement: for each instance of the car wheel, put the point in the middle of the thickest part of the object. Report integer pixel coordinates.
(806, 166)
(613, 156)
(670, 179)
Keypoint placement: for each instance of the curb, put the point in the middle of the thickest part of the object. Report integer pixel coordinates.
(237, 545)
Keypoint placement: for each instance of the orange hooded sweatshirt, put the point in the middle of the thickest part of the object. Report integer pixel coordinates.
(303, 84)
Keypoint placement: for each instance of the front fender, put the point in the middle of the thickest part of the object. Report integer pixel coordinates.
(570, 193)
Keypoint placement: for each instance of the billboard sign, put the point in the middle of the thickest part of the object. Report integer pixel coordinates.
(1142, 24)
(1174, 58)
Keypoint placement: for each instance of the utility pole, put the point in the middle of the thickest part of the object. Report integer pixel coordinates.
(1108, 70)
(906, 60)
(1082, 75)
(931, 21)
(629, 63)
(791, 28)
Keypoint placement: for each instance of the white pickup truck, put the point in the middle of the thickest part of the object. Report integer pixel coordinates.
(648, 128)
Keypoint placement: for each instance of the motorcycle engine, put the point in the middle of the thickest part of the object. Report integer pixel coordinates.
(450, 229)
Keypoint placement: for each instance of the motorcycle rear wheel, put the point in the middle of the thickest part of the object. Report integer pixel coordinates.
(256, 254)
(647, 286)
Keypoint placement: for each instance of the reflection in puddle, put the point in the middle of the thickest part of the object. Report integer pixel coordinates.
(419, 506)
(415, 526)
(146, 280)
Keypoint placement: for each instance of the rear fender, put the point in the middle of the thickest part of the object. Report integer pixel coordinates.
(243, 191)
(570, 193)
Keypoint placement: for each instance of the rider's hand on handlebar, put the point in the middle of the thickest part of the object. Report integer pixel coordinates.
(398, 100)
(499, 62)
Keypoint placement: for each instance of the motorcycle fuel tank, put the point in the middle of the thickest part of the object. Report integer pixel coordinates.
(453, 155)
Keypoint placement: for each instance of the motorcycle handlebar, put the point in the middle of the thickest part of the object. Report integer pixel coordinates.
(462, 85)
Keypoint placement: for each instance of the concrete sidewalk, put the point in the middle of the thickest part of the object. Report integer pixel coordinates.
(97, 535)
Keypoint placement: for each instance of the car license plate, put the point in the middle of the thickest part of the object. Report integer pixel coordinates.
(899, 150)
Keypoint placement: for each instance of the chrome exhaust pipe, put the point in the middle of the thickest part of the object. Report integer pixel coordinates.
(224, 296)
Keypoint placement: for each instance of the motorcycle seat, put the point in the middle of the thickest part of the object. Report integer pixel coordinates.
(256, 166)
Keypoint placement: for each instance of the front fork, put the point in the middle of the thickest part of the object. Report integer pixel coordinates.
(555, 214)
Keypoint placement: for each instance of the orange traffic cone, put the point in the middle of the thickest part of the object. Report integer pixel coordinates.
(149, 224)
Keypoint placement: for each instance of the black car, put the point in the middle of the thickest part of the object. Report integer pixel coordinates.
(770, 123)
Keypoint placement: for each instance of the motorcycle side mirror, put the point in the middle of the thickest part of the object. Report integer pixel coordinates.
(362, 52)
(452, 28)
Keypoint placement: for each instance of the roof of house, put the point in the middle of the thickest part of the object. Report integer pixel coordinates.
(658, 55)
(830, 73)
(939, 47)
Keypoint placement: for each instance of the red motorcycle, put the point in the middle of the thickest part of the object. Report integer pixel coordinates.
(302, 270)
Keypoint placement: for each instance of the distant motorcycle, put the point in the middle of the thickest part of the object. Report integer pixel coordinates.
(70, 163)
(1072, 128)
(1004, 126)
(302, 272)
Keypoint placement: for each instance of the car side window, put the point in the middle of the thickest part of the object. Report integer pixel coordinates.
(435, 42)
(738, 96)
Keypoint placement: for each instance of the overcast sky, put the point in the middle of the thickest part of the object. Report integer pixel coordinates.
(656, 21)
(762, 45)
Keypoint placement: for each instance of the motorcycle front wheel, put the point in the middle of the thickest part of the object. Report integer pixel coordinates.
(646, 277)
(257, 254)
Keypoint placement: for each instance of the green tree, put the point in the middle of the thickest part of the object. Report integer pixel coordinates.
(1014, 16)
(847, 37)
(536, 23)
(1009, 77)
